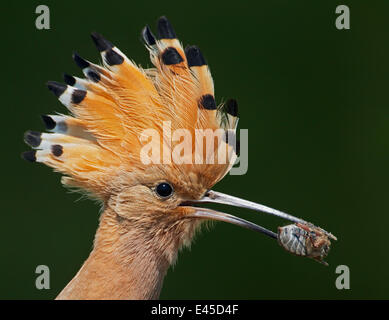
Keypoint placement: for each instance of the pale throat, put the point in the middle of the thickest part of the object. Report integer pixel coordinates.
(130, 258)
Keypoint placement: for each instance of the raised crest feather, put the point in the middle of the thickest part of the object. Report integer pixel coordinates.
(115, 103)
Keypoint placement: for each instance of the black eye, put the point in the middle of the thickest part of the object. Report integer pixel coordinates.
(164, 189)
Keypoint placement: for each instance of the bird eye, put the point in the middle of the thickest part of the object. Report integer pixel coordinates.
(164, 190)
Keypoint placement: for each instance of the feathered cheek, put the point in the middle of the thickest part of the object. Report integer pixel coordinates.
(126, 203)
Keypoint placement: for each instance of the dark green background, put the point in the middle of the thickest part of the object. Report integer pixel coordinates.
(315, 101)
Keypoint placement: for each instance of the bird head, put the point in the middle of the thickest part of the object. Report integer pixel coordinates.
(149, 143)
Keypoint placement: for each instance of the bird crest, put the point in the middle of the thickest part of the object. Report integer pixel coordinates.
(125, 119)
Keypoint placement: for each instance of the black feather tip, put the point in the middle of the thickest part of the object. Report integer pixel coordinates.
(33, 138)
(70, 80)
(101, 43)
(48, 121)
(29, 155)
(81, 62)
(165, 29)
(57, 88)
(148, 36)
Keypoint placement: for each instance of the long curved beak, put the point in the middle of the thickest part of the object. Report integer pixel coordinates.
(218, 197)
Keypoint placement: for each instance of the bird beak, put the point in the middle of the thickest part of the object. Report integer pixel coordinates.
(218, 197)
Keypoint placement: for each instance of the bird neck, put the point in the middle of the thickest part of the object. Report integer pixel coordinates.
(129, 260)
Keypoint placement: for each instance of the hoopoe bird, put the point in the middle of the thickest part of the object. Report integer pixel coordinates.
(150, 210)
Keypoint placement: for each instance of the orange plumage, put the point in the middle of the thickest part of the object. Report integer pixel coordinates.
(119, 100)
(119, 116)
(99, 149)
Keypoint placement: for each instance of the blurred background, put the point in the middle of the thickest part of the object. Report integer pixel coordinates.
(315, 102)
